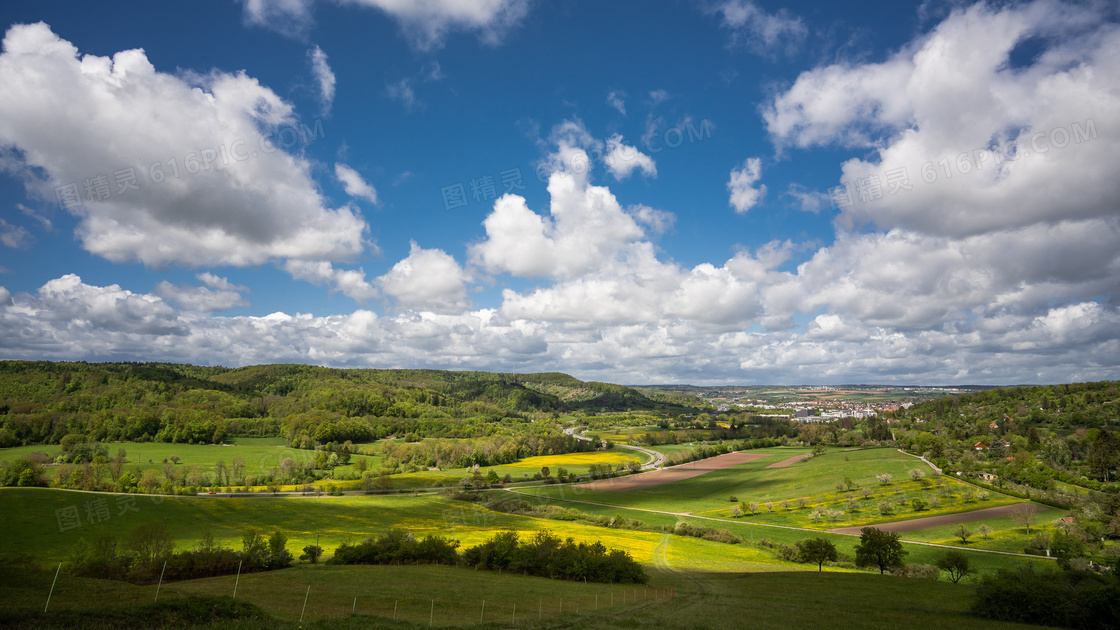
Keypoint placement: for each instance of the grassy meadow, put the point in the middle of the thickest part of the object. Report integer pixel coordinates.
(717, 585)
(453, 597)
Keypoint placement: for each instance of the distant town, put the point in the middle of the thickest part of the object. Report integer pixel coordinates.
(816, 403)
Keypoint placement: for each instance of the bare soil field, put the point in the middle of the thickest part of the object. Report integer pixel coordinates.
(790, 460)
(663, 476)
(945, 519)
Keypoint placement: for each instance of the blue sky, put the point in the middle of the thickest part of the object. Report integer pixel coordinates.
(643, 192)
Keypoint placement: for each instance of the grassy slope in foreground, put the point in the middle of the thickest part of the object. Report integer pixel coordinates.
(712, 601)
(27, 517)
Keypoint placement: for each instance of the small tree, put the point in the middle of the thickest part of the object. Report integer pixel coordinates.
(733, 499)
(311, 553)
(956, 564)
(253, 547)
(880, 549)
(492, 478)
(278, 554)
(917, 474)
(963, 533)
(984, 531)
(816, 550)
(150, 542)
(917, 504)
(884, 478)
(886, 507)
(769, 506)
(1023, 514)
(753, 507)
(545, 472)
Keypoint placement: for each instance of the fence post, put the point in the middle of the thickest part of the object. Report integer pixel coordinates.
(237, 579)
(432, 615)
(55, 581)
(160, 583)
(355, 606)
(596, 601)
(514, 612)
(482, 615)
(395, 602)
(308, 594)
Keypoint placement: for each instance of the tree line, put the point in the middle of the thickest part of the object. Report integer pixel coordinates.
(544, 555)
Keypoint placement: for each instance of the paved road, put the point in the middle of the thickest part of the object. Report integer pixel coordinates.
(657, 459)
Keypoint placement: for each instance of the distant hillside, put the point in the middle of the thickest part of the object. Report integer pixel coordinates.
(1055, 407)
(43, 401)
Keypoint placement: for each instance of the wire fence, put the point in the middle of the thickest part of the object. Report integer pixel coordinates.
(297, 601)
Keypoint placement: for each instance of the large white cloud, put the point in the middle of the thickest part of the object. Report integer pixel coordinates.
(168, 169)
(427, 280)
(966, 141)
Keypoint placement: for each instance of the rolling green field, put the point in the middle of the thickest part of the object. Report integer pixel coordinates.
(453, 597)
(29, 517)
(752, 481)
(261, 455)
(717, 585)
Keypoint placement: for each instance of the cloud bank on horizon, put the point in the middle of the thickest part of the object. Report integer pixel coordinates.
(952, 214)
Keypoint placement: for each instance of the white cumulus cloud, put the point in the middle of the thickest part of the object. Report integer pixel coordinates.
(354, 184)
(744, 195)
(163, 192)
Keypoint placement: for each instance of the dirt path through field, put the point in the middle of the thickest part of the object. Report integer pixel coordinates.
(675, 473)
(935, 521)
(790, 461)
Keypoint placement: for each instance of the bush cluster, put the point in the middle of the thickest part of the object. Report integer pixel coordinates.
(545, 555)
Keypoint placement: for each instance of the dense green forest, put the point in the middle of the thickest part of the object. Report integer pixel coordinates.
(42, 402)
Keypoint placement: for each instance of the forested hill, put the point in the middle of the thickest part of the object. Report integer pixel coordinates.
(1058, 408)
(43, 401)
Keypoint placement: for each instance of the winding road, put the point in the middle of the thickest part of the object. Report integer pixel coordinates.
(656, 459)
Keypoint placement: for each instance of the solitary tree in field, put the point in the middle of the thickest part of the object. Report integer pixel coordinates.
(963, 533)
(816, 550)
(1023, 514)
(984, 531)
(884, 478)
(879, 549)
(956, 563)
